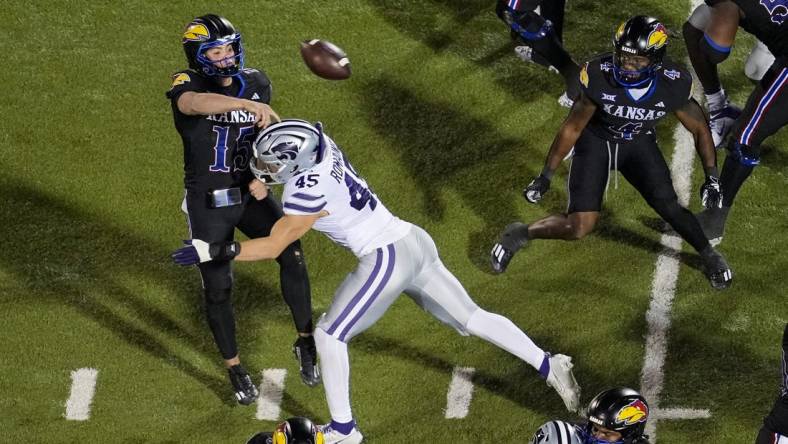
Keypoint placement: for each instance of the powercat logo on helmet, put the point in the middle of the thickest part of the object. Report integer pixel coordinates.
(286, 149)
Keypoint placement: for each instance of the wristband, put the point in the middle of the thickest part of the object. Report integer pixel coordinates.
(224, 251)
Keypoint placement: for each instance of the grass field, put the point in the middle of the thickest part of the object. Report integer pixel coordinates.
(448, 126)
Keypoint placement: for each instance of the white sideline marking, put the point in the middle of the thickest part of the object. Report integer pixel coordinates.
(271, 390)
(663, 290)
(83, 387)
(460, 393)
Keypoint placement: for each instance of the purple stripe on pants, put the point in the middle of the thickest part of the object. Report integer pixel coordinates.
(360, 294)
(375, 294)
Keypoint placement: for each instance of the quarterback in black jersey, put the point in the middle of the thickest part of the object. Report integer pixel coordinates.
(765, 111)
(775, 426)
(611, 127)
(218, 106)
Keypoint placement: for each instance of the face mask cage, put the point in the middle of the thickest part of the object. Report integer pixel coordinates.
(212, 67)
(632, 78)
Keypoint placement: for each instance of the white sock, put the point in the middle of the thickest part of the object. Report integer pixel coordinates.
(502, 332)
(335, 368)
(717, 100)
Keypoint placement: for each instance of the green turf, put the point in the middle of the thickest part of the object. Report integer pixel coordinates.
(448, 126)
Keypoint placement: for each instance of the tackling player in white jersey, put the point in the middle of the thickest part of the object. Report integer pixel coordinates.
(324, 192)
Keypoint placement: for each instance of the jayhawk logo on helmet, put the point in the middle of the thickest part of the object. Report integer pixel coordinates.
(658, 37)
(196, 32)
(632, 413)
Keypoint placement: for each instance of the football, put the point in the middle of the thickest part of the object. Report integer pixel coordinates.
(325, 59)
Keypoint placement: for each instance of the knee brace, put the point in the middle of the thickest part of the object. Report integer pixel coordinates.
(714, 52)
(531, 27)
(745, 154)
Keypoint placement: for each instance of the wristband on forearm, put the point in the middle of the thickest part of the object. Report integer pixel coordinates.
(547, 173)
(224, 251)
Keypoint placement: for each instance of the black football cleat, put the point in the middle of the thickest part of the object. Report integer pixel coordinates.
(716, 268)
(245, 390)
(513, 238)
(500, 258)
(306, 354)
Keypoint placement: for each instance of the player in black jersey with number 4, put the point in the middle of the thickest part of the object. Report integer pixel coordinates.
(611, 127)
(218, 105)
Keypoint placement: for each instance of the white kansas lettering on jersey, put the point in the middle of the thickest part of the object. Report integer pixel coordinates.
(356, 218)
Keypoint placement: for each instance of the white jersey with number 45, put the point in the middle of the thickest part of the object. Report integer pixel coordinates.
(356, 218)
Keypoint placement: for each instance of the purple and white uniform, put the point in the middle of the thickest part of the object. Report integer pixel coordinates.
(395, 256)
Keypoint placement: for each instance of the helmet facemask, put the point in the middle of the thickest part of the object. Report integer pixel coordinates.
(215, 67)
(644, 71)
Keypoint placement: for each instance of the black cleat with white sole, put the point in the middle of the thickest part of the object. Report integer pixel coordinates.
(244, 388)
(306, 354)
(513, 238)
(716, 268)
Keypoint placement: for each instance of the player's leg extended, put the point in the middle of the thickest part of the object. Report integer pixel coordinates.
(439, 292)
(588, 175)
(763, 115)
(358, 303)
(257, 221)
(645, 168)
(543, 46)
(705, 54)
(215, 225)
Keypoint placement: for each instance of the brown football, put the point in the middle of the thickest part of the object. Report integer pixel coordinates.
(325, 59)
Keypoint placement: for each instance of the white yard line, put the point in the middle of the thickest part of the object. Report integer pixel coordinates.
(271, 390)
(83, 387)
(663, 290)
(458, 400)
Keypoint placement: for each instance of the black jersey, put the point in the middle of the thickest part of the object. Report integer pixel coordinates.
(765, 19)
(216, 148)
(620, 117)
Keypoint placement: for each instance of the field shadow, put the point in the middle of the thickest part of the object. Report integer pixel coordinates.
(84, 261)
(445, 149)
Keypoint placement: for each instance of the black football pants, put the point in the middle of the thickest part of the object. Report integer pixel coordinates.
(642, 164)
(254, 219)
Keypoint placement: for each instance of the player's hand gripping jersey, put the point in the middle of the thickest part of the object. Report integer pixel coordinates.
(356, 218)
(626, 114)
(216, 148)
